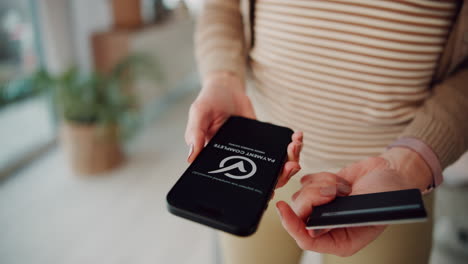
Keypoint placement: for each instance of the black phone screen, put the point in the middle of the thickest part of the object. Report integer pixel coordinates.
(229, 184)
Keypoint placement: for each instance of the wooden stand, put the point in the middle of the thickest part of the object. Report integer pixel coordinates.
(127, 14)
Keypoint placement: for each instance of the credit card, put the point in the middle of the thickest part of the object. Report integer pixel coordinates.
(395, 207)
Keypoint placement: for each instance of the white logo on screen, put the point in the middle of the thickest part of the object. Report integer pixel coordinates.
(239, 165)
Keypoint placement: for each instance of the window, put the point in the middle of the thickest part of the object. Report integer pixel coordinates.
(25, 117)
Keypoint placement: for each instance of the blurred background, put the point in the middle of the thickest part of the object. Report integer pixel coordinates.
(93, 102)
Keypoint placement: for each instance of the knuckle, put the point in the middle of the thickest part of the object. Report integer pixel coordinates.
(198, 106)
(310, 193)
(328, 176)
(319, 179)
(348, 252)
(374, 159)
(294, 196)
(306, 178)
(344, 171)
(301, 246)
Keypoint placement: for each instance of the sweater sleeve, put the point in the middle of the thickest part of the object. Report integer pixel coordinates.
(219, 38)
(442, 122)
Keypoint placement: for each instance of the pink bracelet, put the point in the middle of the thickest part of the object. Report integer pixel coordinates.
(427, 154)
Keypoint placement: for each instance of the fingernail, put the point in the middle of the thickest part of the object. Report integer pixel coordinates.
(328, 191)
(318, 232)
(342, 181)
(343, 188)
(300, 135)
(295, 195)
(190, 152)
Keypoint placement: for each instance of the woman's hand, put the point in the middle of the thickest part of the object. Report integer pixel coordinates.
(396, 169)
(223, 94)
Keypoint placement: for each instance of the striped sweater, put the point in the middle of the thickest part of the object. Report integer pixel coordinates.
(352, 75)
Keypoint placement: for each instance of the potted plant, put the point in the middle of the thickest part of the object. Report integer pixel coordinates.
(95, 110)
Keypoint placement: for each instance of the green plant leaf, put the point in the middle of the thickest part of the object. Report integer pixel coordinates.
(98, 98)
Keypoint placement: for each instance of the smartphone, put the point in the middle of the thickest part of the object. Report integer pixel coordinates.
(230, 183)
(404, 206)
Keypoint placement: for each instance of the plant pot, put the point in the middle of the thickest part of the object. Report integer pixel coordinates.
(92, 148)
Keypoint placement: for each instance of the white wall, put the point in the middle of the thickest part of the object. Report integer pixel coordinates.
(67, 26)
(57, 40)
(88, 16)
(194, 6)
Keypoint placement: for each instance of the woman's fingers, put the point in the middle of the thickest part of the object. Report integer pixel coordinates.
(295, 147)
(298, 136)
(297, 229)
(317, 189)
(318, 232)
(290, 168)
(294, 225)
(343, 186)
(320, 177)
(196, 131)
(342, 241)
(293, 218)
(311, 196)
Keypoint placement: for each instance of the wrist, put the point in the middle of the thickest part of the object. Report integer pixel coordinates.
(411, 167)
(223, 80)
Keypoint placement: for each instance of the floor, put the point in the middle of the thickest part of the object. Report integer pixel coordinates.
(16, 122)
(450, 245)
(49, 215)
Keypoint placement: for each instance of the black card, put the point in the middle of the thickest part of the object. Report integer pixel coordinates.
(403, 206)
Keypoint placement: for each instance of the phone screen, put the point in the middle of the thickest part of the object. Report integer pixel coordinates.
(229, 184)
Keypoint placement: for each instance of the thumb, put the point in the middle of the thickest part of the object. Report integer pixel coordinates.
(309, 197)
(196, 130)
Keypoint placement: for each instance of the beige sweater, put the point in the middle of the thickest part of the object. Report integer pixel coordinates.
(352, 98)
